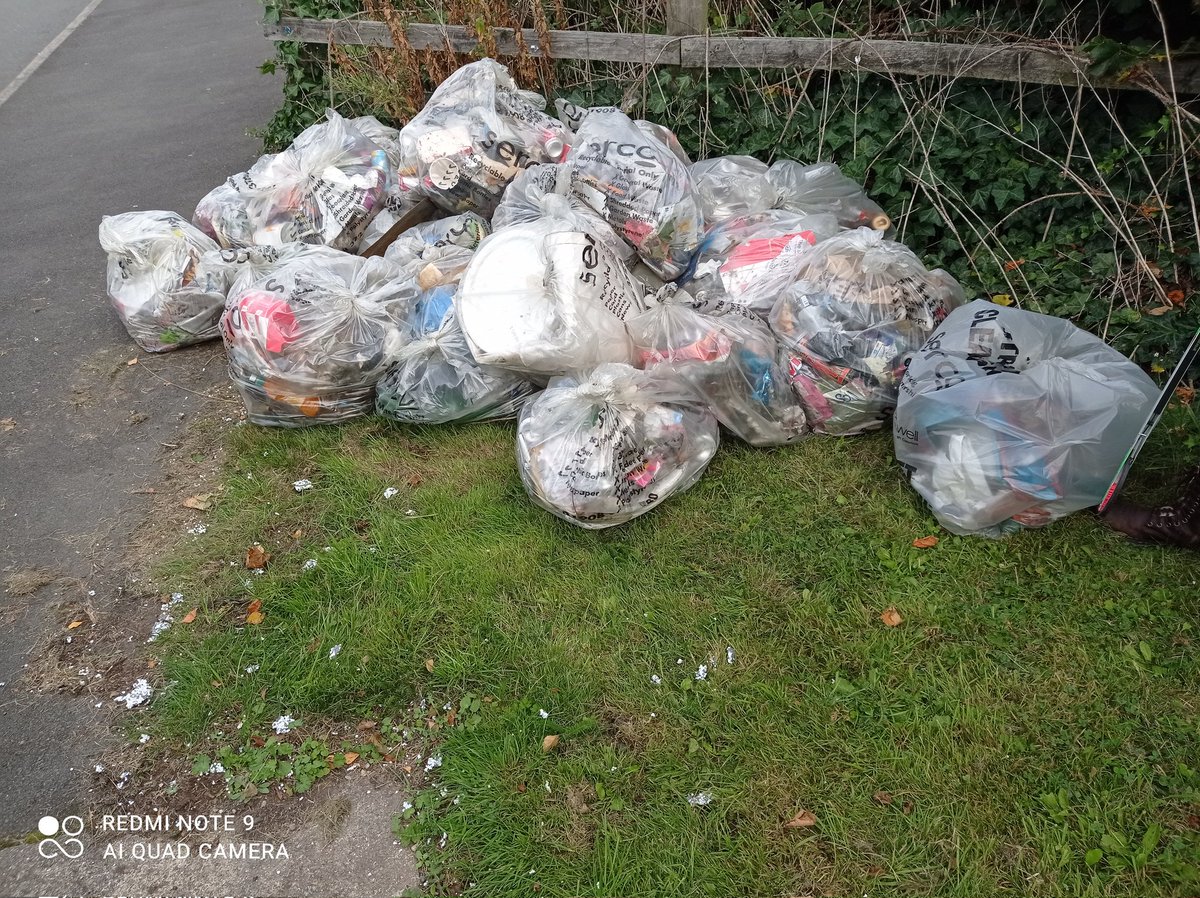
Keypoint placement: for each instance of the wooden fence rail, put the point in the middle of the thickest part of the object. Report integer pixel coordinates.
(995, 62)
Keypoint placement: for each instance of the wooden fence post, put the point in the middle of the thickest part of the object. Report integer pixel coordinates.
(687, 17)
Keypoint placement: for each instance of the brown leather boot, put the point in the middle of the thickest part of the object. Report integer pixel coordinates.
(1175, 524)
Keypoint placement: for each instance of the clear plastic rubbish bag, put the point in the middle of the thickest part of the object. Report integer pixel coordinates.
(436, 380)
(543, 298)
(731, 359)
(860, 306)
(600, 448)
(159, 281)
(323, 189)
(229, 269)
(544, 191)
(822, 187)
(1011, 419)
(732, 185)
(475, 134)
(749, 260)
(308, 342)
(447, 240)
(627, 173)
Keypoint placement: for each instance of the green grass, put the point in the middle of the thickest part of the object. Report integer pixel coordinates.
(1038, 704)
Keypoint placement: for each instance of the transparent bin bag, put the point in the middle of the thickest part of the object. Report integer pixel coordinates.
(732, 185)
(157, 280)
(230, 269)
(822, 187)
(475, 134)
(731, 359)
(308, 342)
(436, 380)
(324, 189)
(572, 116)
(748, 261)
(859, 307)
(544, 191)
(1011, 419)
(600, 448)
(637, 183)
(544, 299)
(453, 238)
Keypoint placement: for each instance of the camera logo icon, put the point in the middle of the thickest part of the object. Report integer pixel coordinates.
(70, 847)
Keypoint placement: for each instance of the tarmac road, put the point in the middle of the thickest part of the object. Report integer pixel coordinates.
(145, 105)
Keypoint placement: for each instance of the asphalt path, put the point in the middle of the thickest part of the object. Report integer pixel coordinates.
(145, 104)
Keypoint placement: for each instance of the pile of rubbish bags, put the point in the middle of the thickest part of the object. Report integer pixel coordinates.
(623, 302)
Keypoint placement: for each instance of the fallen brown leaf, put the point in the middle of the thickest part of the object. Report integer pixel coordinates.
(1185, 394)
(8, 423)
(892, 617)
(550, 743)
(255, 617)
(407, 768)
(1176, 296)
(75, 623)
(364, 725)
(415, 480)
(521, 787)
(258, 741)
(802, 820)
(429, 664)
(1159, 310)
(451, 717)
(200, 502)
(152, 663)
(256, 557)
(925, 542)
(132, 361)
(882, 797)
(189, 617)
(255, 605)
(351, 757)
(296, 534)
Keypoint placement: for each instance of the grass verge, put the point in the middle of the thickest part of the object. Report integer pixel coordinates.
(1030, 728)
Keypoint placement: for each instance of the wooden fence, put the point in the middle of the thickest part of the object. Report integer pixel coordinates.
(1030, 63)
